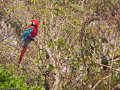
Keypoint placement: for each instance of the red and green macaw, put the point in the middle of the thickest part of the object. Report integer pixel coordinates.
(28, 36)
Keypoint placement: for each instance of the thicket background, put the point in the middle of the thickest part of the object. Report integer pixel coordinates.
(66, 55)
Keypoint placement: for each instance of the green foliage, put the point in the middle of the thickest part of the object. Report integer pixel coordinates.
(36, 88)
(50, 67)
(8, 81)
(60, 42)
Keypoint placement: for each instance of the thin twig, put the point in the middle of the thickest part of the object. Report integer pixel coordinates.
(100, 81)
(6, 37)
(38, 48)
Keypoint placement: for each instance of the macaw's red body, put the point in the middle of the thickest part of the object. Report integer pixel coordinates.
(28, 36)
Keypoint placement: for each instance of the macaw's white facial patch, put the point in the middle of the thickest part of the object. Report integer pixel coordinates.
(33, 23)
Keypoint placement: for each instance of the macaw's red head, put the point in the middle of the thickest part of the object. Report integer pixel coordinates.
(34, 23)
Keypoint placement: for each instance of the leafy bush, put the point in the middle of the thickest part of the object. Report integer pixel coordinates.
(9, 81)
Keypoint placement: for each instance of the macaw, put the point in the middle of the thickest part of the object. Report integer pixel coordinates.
(28, 36)
(104, 61)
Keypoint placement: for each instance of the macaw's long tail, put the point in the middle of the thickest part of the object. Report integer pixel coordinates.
(22, 54)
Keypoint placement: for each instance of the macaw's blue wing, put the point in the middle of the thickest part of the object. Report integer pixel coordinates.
(26, 33)
(26, 36)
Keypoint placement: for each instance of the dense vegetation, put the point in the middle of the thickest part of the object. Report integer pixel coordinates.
(73, 37)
